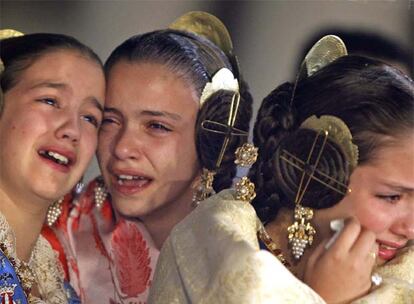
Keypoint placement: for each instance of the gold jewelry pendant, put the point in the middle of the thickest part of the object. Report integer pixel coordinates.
(301, 233)
(100, 193)
(54, 212)
(246, 155)
(204, 188)
(245, 190)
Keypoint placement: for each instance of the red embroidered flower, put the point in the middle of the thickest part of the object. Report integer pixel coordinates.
(131, 258)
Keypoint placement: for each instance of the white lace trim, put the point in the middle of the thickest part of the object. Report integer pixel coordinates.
(44, 263)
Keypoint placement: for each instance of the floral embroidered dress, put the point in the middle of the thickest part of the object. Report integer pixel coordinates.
(213, 256)
(107, 259)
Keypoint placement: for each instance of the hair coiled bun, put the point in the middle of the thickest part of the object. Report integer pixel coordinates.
(217, 109)
(277, 181)
(372, 98)
(275, 120)
(332, 170)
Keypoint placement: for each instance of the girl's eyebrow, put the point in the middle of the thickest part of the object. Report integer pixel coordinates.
(49, 84)
(160, 113)
(112, 110)
(397, 187)
(63, 86)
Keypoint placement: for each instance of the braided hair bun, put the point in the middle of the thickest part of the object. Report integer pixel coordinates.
(284, 149)
(297, 154)
(275, 120)
(373, 99)
(217, 109)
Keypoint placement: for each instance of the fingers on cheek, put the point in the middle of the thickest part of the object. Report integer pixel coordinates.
(347, 238)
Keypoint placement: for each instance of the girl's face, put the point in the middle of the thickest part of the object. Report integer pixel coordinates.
(146, 149)
(382, 197)
(49, 125)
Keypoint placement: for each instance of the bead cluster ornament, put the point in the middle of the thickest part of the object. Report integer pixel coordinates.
(300, 233)
(246, 155)
(101, 193)
(54, 212)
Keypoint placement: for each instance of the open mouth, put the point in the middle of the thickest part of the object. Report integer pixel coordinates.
(387, 251)
(55, 157)
(132, 180)
(387, 247)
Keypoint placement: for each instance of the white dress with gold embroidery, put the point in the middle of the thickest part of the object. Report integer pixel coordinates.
(398, 281)
(44, 263)
(213, 256)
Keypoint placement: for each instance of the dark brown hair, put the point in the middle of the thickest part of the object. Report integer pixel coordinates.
(19, 53)
(375, 100)
(196, 60)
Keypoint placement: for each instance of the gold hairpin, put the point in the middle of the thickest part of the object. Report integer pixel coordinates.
(309, 169)
(230, 130)
(338, 132)
(341, 187)
(221, 78)
(301, 232)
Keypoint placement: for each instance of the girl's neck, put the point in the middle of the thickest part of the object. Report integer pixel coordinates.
(160, 222)
(26, 220)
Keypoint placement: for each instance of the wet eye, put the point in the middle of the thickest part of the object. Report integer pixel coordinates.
(110, 123)
(158, 127)
(49, 101)
(394, 198)
(92, 120)
(108, 120)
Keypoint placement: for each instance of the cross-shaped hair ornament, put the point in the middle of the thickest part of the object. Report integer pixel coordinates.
(301, 232)
(228, 130)
(309, 170)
